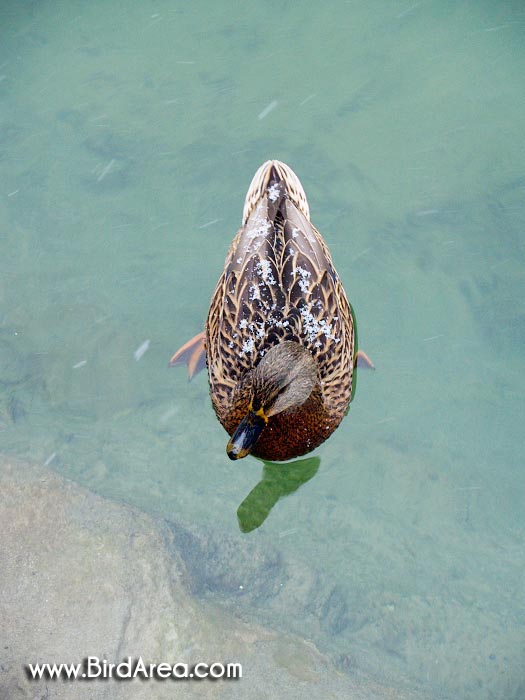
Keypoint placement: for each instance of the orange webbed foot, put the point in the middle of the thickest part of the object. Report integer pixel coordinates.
(362, 360)
(192, 354)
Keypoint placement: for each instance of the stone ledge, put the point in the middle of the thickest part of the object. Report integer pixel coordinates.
(84, 575)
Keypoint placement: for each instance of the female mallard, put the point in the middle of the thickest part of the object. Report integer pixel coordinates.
(280, 339)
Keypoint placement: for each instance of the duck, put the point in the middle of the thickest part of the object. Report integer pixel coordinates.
(280, 339)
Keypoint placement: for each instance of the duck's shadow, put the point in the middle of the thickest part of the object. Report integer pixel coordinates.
(278, 480)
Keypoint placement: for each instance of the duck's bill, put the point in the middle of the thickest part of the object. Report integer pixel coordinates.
(245, 437)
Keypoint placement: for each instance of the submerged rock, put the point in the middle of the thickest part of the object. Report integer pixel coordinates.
(83, 576)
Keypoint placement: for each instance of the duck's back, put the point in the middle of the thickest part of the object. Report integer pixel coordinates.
(278, 284)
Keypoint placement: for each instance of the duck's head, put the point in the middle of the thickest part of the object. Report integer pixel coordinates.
(283, 380)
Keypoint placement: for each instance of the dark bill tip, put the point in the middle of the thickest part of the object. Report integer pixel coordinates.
(245, 437)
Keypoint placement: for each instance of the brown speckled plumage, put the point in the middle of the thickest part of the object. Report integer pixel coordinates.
(279, 284)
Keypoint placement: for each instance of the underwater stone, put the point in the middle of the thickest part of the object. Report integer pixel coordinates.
(82, 576)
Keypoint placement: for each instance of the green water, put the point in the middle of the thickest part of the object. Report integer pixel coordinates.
(129, 133)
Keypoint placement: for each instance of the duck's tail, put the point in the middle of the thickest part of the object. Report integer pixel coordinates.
(269, 175)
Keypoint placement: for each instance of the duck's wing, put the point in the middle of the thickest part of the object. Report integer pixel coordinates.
(325, 322)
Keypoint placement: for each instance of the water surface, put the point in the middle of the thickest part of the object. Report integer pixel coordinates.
(129, 133)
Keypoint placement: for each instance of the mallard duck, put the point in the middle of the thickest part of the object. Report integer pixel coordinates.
(280, 342)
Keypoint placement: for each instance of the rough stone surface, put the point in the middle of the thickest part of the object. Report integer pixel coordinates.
(81, 575)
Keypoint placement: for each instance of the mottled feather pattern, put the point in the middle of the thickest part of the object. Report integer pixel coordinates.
(279, 284)
(259, 184)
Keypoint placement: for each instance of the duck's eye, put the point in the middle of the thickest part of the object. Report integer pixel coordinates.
(282, 389)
